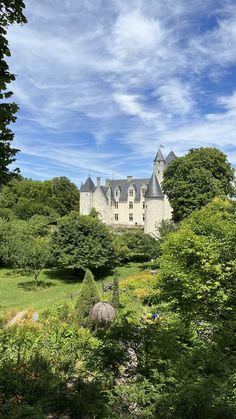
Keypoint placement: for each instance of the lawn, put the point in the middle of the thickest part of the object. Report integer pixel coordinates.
(17, 289)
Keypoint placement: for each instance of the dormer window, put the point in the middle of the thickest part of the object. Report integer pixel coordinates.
(143, 191)
(131, 192)
(109, 193)
(117, 192)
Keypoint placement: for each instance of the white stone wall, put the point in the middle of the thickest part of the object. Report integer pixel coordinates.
(154, 214)
(156, 211)
(159, 168)
(86, 202)
(100, 203)
(123, 212)
(167, 209)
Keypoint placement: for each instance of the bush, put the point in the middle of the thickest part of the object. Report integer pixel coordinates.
(88, 296)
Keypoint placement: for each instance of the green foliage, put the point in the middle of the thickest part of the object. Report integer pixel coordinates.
(51, 198)
(198, 263)
(10, 12)
(192, 181)
(116, 291)
(164, 228)
(83, 242)
(136, 245)
(20, 248)
(38, 378)
(94, 213)
(122, 251)
(88, 296)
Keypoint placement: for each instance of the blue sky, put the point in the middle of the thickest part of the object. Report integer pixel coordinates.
(102, 83)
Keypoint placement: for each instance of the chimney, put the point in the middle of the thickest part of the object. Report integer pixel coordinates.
(129, 178)
(98, 181)
(107, 183)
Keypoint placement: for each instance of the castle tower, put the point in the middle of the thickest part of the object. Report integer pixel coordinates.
(154, 205)
(100, 202)
(159, 165)
(86, 196)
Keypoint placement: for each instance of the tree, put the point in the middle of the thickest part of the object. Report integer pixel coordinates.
(84, 242)
(192, 181)
(88, 296)
(52, 198)
(116, 292)
(11, 11)
(21, 248)
(197, 268)
(34, 256)
(141, 245)
(62, 195)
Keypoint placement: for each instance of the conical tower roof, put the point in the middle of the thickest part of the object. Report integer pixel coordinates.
(154, 189)
(171, 156)
(159, 156)
(88, 186)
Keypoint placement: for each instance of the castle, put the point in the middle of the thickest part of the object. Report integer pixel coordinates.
(129, 202)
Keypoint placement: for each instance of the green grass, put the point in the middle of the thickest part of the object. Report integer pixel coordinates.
(17, 289)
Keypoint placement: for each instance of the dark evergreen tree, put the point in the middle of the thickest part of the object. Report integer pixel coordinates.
(116, 291)
(88, 296)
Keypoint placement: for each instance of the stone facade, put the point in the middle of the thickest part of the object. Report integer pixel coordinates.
(129, 202)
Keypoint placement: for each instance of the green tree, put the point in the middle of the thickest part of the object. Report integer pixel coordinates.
(52, 198)
(10, 12)
(88, 296)
(22, 249)
(197, 268)
(141, 245)
(116, 291)
(83, 242)
(192, 181)
(62, 195)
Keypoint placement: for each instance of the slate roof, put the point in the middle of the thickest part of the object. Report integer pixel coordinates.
(159, 156)
(171, 156)
(154, 189)
(152, 185)
(88, 186)
(124, 185)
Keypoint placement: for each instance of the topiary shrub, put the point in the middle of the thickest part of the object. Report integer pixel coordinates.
(88, 296)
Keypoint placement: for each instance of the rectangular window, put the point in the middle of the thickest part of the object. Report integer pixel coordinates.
(143, 205)
(131, 192)
(131, 205)
(143, 191)
(116, 204)
(116, 217)
(143, 217)
(131, 218)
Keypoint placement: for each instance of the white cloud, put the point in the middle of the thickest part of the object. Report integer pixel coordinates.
(175, 97)
(128, 73)
(134, 34)
(130, 105)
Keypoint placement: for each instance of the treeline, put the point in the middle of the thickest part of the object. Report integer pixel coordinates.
(23, 198)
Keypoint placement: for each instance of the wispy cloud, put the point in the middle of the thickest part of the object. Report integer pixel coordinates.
(102, 81)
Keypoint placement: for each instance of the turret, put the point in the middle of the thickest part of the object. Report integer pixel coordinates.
(159, 165)
(171, 156)
(154, 205)
(86, 196)
(100, 201)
